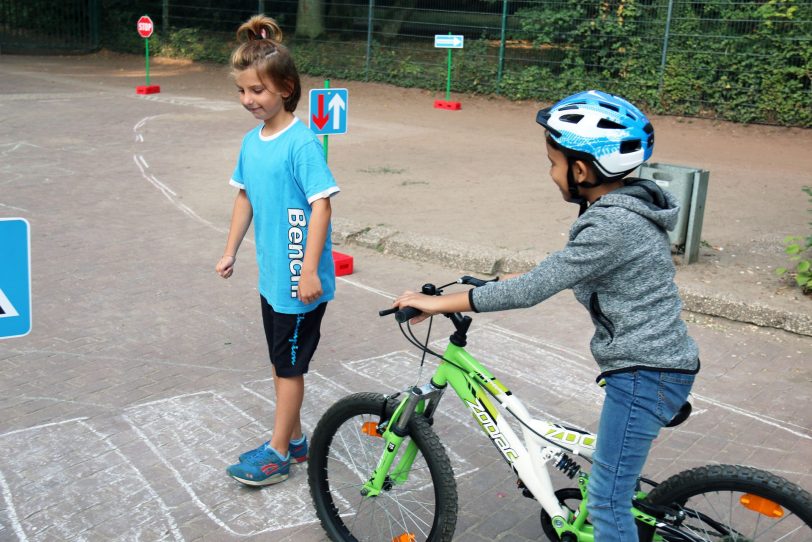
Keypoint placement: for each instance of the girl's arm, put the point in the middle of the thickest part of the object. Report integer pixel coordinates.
(241, 218)
(309, 283)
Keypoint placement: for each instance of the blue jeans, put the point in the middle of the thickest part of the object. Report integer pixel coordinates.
(637, 405)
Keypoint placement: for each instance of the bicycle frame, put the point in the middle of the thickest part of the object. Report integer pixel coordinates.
(473, 383)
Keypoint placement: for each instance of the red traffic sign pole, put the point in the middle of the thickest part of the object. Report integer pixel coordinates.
(145, 28)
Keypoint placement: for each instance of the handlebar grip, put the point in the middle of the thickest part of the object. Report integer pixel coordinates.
(406, 314)
(473, 281)
(387, 312)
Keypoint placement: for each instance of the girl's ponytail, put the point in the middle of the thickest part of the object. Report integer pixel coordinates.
(259, 27)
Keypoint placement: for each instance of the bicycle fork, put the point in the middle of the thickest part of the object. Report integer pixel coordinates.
(421, 401)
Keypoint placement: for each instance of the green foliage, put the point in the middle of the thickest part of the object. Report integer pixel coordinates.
(195, 44)
(798, 249)
(745, 61)
(739, 60)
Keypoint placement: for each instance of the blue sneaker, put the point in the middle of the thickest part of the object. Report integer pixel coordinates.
(263, 468)
(298, 451)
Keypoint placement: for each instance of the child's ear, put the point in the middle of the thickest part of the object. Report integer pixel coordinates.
(580, 171)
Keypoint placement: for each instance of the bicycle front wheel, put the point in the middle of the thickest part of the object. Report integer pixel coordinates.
(344, 451)
(733, 503)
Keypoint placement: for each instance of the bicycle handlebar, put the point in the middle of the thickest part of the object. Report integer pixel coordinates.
(401, 315)
(407, 313)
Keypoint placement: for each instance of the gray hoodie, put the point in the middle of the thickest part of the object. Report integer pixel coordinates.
(618, 263)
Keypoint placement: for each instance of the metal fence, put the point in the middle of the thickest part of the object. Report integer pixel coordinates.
(743, 60)
(48, 26)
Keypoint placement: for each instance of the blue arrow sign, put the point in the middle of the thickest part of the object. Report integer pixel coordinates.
(15, 278)
(448, 41)
(328, 111)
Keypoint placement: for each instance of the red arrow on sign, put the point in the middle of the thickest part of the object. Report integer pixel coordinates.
(322, 119)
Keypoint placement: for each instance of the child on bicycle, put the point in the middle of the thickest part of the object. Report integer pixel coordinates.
(618, 263)
(285, 187)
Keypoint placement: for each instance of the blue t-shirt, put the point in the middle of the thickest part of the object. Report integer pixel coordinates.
(282, 175)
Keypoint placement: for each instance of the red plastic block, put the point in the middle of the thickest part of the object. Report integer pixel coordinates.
(343, 263)
(442, 104)
(148, 89)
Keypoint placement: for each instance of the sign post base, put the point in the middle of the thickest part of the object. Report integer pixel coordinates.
(148, 89)
(444, 104)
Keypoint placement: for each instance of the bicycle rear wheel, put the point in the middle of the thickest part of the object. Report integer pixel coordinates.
(344, 451)
(733, 503)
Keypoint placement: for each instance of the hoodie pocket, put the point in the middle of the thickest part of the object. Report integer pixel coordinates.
(599, 317)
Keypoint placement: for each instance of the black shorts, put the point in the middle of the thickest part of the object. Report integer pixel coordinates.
(292, 338)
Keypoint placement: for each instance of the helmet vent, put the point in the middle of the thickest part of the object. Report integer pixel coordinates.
(630, 145)
(572, 118)
(610, 125)
(610, 106)
(648, 128)
(631, 116)
(568, 107)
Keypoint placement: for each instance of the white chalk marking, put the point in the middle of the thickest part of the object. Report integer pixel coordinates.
(69, 462)
(192, 101)
(7, 148)
(14, 208)
(12, 512)
(193, 435)
(43, 426)
(370, 289)
(762, 418)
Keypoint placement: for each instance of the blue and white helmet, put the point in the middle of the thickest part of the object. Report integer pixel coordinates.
(601, 129)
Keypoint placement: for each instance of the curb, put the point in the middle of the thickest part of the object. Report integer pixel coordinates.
(489, 261)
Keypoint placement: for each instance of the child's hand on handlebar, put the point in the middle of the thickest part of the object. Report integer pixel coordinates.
(424, 303)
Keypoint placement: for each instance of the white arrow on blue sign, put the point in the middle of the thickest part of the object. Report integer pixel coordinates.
(15, 278)
(328, 111)
(448, 41)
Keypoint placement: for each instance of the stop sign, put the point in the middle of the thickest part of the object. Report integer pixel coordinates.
(145, 26)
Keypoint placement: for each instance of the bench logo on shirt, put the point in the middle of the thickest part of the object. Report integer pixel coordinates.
(297, 221)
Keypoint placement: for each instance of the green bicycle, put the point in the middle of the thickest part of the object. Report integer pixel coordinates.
(378, 471)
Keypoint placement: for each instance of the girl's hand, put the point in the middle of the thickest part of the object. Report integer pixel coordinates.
(424, 303)
(309, 288)
(225, 267)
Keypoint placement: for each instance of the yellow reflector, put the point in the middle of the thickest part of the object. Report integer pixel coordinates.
(405, 537)
(762, 505)
(371, 429)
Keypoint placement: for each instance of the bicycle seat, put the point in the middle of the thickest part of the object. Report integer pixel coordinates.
(681, 415)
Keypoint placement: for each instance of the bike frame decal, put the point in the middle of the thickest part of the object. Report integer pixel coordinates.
(571, 437)
(490, 426)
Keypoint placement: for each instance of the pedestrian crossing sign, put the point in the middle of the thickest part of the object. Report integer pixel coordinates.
(15, 278)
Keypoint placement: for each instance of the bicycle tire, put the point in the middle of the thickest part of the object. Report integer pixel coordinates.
(342, 458)
(711, 498)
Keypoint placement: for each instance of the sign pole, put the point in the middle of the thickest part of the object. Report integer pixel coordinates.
(448, 79)
(146, 48)
(448, 42)
(145, 27)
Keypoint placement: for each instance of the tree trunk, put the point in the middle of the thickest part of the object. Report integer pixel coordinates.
(310, 19)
